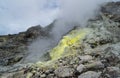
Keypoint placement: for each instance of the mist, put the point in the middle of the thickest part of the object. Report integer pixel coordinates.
(75, 13)
(71, 13)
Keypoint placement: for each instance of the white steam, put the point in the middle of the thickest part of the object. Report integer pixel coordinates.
(72, 13)
(18, 15)
(38, 48)
(75, 13)
(79, 11)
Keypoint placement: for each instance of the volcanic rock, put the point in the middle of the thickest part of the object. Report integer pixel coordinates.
(90, 74)
(64, 72)
(112, 10)
(97, 55)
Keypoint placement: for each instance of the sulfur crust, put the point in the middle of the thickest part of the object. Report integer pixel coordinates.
(73, 38)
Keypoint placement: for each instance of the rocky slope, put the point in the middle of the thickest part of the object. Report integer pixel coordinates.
(91, 52)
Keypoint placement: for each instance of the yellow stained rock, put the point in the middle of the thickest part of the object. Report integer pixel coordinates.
(69, 40)
(63, 49)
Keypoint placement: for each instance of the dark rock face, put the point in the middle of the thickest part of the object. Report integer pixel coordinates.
(112, 10)
(10, 49)
(36, 31)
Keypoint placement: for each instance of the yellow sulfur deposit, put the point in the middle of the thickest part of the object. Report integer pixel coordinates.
(64, 47)
(71, 39)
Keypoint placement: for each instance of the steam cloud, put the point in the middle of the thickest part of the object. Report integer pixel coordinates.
(18, 15)
(71, 13)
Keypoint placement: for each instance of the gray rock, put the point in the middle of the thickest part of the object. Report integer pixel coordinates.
(105, 31)
(90, 74)
(95, 65)
(43, 76)
(64, 72)
(114, 72)
(81, 68)
(50, 76)
(85, 58)
(112, 53)
(112, 10)
(34, 32)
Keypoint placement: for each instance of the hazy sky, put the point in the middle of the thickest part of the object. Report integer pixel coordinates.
(18, 15)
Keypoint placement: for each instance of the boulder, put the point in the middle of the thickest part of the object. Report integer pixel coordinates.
(85, 58)
(114, 72)
(81, 68)
(64, 72)
(90, 74)
(112, 54)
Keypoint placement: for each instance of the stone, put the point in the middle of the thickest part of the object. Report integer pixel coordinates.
(81, 68)
(29, 75)
(19, 74)
(64, 71)
(95, 65)
(35, 32)
(90, 74)
(43, 76)
(113, 53)
(14, 60)
(50, 76)
(112, 10)
(114, 72)
(85, 58)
